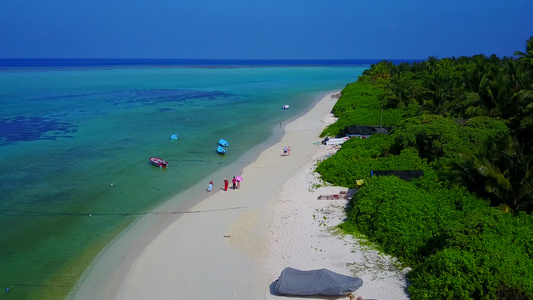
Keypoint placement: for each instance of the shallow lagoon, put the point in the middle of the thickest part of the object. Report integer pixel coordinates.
(75, 145)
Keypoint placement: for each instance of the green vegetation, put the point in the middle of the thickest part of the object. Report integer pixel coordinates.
(465, 227)
(358, 105)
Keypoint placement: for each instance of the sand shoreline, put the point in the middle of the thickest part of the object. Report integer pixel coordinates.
(111, 264)
(233, 244)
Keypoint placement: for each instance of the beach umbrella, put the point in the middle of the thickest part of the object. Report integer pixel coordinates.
(239, 178)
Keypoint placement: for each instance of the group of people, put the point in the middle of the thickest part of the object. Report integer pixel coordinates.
(236, 184)
(287, 151)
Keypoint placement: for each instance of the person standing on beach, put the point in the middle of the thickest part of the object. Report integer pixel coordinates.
(226, 182)
(234, 181)
(289, 150)
(210, 186)
(238, 184)
(285, 151)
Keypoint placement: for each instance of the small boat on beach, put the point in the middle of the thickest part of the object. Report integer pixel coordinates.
(156, 161)
(221, 150)
(286, 106)
(338, 141)
(319, 283)
(223, 143)
(174, 137)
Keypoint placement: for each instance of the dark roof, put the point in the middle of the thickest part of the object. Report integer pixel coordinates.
(402, 174)
(364, 130)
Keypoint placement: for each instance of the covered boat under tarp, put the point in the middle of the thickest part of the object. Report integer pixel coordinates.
(322, 282)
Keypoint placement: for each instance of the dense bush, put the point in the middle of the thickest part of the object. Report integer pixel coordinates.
(359, 105)
(433, 136)
(404, 219)
(444, 113)
(345, 167)
(489, 256)
(460, 248)
(436, 137)
(480, 129)
(357, 95)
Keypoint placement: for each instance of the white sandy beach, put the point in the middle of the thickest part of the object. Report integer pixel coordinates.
(235, 243)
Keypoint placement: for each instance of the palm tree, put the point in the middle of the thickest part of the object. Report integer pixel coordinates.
(431, 63)
(526, 59)
(443, 83)
(397, 91)
(523, 122)
(497, 94)
(499, 171)
(380, 71)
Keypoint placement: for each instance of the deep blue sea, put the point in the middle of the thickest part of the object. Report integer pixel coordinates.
(76, 137)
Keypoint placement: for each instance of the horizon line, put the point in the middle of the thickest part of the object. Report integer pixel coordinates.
(213, 59)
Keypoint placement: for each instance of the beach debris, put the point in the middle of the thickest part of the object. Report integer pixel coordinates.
(227, 236)
(332, 197)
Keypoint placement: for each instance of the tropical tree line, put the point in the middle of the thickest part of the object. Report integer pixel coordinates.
(465, 227)
(487, 91)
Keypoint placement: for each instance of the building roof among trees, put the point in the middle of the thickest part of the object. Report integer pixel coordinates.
(364, 130)
(402, 174)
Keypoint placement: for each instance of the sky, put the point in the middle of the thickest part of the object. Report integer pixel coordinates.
(268, 29)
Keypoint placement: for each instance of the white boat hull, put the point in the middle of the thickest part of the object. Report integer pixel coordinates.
(337, 141)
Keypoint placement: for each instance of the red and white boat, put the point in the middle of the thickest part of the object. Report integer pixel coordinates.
(156, 161)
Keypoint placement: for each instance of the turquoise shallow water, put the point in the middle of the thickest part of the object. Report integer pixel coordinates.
(75, 142)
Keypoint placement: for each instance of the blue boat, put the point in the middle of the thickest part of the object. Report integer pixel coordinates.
(221, 150)
(223, 143)
(174, 137)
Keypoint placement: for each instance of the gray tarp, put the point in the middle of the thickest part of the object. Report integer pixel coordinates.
(315, 282)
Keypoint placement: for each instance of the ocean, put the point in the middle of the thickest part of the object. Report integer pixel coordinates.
(76, 137)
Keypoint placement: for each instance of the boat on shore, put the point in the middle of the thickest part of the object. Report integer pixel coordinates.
(337, 141)
(221, 150)
(156, 161)
(223, 143)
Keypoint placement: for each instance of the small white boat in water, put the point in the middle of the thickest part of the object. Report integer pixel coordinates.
(286, 106)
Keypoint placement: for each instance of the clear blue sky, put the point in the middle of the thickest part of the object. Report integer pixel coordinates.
(267, 29)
